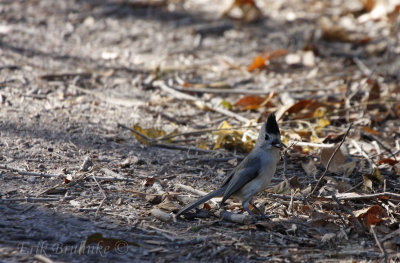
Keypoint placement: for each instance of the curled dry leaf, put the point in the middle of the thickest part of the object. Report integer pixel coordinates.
(371, 131)
(388, 161)
(371, 215)
(375, 178)
(260, 61)
(253, 102)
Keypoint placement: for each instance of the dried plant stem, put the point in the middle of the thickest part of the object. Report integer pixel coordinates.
(330, 160)
(381, 248)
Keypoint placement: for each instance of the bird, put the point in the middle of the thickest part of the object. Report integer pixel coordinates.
(253, 174)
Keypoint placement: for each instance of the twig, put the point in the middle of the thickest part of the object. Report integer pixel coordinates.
(111, 179)
(22, 172)
(191, 190)
(312, 144)
(43, 259)
(201, 104)
(36, 200)
(288, 198)
(348, 210)
(104, 197)
(167, 234)
(363, 153)
(183, 148)
(330, 160)
(381, 248)
(292, 193)
(148, 139)
(155, 142)
(368, 196)
(161, 215)
(194, 191)
(234, 218)
(284, 157)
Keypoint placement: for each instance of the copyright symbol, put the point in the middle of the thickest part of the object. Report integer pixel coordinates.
(121, 247)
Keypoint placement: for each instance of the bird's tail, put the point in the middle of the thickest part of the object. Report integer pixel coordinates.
(201, 200)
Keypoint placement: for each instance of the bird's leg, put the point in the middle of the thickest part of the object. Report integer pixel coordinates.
(258, 210)
(245, 204)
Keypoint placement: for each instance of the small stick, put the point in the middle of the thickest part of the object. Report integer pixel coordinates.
(191, 190)
(363, 153)
(312, 144)
(381, 248)
(43, 259)
(148, 139)
(348, 210)
(104, 197)
(35, 200)
(369, 196)
(22, 172)
(165, 233)
(194, 191)
(284, 157)
(202, 104)
(234, 218)
(183, 148)
(111, 179)
(161, 215)
(330, 160)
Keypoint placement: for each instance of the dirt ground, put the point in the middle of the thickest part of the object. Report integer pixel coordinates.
(71, 72)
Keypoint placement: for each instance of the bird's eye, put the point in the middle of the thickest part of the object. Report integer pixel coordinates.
(266, 137)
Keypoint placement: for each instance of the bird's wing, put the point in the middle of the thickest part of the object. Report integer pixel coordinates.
(247, 171)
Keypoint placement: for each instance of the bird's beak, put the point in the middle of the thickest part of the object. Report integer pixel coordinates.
(278, 144)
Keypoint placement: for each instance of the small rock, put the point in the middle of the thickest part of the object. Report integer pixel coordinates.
(31, 180)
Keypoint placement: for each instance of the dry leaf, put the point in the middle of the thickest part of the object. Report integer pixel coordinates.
(371, 131)
(367, 184)
(151, 133)
(260, 60)
(250, 102)
(374, 95)
(337, 161)
(388, 161)
(258, 63)
(370, 215)
(231, 139)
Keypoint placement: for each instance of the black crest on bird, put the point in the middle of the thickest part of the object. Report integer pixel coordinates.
(272, 125)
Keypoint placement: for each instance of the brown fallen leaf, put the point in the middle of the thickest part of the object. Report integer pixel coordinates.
(337, 161)
(371, 215)
(259, 62)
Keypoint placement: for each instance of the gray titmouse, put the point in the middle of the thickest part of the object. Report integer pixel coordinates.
(253, 174)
